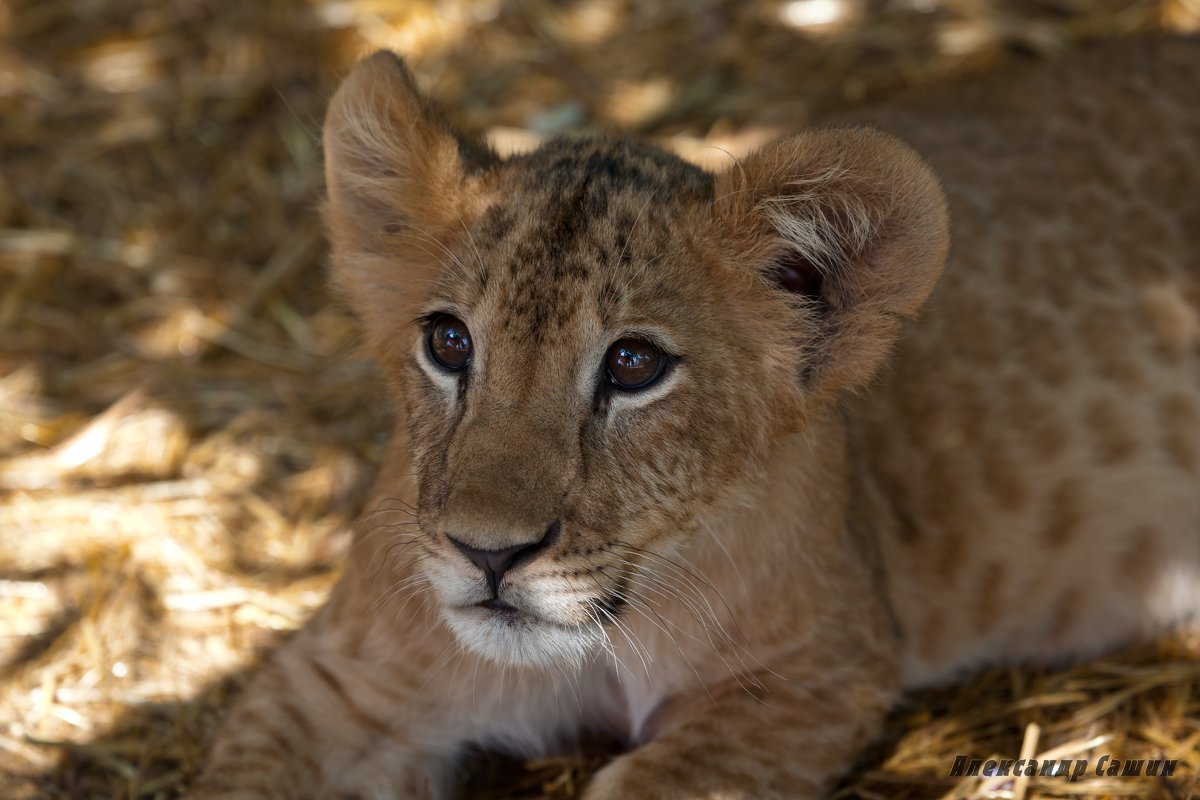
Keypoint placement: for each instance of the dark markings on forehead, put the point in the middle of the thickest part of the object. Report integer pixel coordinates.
(590, 170)
(497, 223)
(576, 207)
(494, 228)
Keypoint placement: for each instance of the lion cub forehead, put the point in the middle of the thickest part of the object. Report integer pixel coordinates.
(583, 221)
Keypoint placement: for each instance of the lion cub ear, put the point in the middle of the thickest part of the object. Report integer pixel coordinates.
(849, 227)
(401, 186)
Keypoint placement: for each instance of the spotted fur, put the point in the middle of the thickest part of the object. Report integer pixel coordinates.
(745, 563)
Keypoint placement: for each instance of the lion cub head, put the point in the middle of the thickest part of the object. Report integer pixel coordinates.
(597, 346)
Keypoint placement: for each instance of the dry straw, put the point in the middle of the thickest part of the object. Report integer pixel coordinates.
(185, 433)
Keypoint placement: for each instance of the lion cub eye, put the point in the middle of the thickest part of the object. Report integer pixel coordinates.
(450, 342)
(634, 364)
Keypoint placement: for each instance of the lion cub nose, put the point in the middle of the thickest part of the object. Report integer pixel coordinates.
(495, 563)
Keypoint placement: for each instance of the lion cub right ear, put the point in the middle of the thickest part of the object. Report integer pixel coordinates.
(402, 185)
(849, 227)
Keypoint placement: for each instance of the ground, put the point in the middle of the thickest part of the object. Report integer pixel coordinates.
(186, 432)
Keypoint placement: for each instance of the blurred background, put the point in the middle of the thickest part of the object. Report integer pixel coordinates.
(186, 431)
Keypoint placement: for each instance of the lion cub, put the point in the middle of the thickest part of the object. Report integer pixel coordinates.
(675, 463)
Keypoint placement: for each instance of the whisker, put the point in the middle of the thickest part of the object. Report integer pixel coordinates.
(722, 645)
(631, 601)
(471, 240)
(689, 575)
(736, 648)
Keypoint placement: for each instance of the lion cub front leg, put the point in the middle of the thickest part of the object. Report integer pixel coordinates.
(316, 723)
(768, 737)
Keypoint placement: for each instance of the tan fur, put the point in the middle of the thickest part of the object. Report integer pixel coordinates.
(755, 555)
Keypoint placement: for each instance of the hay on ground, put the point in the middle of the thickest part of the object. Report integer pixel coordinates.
(186, 433)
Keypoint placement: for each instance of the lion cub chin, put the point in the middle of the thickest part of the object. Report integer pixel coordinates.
(676, 461)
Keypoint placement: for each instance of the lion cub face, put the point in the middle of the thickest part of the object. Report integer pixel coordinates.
(597, 346)
(580, 389)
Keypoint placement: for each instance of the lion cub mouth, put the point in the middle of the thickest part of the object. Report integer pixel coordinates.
(500, 607)
(496, 608)
(514, 633)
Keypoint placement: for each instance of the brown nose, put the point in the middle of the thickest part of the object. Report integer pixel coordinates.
(495, 563)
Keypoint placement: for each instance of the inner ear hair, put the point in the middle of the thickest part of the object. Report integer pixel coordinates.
(826, 221)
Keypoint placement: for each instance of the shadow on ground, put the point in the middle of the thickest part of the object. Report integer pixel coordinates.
(185, 433)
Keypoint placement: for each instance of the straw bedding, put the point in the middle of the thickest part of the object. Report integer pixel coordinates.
(186, 433)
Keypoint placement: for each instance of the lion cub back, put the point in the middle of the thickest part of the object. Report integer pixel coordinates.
(1031, 459)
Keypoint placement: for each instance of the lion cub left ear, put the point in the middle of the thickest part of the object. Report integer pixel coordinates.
(849, 227)
(402, 184)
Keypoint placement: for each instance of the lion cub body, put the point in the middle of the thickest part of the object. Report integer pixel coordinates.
(1030, 458)
(750, 557)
